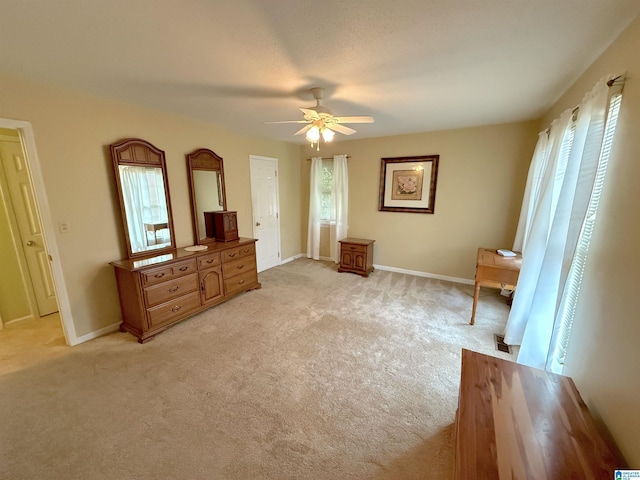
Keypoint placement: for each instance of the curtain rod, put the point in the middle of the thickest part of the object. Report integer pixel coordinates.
(615, 81)
(327, 158)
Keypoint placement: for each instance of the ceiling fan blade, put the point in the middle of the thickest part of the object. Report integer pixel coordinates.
(304, 129)
(311, 113)
(341, 129)
(360, 119)
(291, 121)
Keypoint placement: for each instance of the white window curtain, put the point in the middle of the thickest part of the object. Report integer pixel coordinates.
(315, 199)
(560, 183)
(339, 205)
(338, 221)
(143, 193)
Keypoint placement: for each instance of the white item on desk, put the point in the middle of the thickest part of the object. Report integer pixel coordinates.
(505, 253)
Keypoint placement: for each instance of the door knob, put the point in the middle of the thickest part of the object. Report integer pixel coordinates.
(257, 224)
(31, 243)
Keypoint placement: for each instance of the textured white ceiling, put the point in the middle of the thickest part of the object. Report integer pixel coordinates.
(414, 65)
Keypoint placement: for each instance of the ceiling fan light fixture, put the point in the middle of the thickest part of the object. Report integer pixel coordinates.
(313, 134)
(327, 135)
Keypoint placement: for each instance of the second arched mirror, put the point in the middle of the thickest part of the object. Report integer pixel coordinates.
(206, 182)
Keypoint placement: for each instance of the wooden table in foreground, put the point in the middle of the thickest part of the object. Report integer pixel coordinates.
(518, 422)
(493, 270)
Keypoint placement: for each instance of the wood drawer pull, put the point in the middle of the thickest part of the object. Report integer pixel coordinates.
(182, 269)
(232, 255)
(211, 260)
(240, 267)
(241, 282)
(176, 308)
(174, 289)
(159, 275)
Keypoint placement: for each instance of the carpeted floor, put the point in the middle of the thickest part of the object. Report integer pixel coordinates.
(318, 375)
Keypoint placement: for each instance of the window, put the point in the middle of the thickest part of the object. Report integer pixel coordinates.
(576, 272)
(326, 186)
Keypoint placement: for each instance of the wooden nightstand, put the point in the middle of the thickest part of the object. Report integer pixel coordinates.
(356, 256)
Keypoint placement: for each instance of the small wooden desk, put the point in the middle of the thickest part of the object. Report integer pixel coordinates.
(153, 228)
(518, 422)
(496, 271)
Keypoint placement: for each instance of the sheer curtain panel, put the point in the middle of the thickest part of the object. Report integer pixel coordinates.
(339, 205)
(315, 194)
(560, 183)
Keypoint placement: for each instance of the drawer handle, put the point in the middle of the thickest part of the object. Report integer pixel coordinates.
(182, 269)
(176, 308)
(159, 275)
(211, 260)
(240, 267)
(245, 251)
(174, 289)
(232, 255)
(240, 282)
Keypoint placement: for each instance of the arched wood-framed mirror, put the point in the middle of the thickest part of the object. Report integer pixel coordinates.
(208, 194)
(141, 178)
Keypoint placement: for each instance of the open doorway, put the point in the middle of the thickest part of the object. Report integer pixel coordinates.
(32, 284)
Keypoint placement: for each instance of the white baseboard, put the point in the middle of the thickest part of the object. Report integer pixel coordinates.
(114, 327)
(291, 259)
(21, 319)
(436, 276)
(466, 281)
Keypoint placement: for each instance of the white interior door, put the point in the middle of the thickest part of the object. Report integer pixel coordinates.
(29, 225)
(266, 208)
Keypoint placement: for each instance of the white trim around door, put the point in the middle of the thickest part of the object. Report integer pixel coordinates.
(28, 141)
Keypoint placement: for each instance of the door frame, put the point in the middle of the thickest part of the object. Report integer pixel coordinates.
(27, 138)
(253, 222)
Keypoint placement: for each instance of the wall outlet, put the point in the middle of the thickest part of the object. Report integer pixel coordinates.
(64, 227)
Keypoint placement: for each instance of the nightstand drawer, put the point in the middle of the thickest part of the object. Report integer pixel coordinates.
(350, 247)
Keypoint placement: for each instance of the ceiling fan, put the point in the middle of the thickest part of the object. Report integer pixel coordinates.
(322, 124)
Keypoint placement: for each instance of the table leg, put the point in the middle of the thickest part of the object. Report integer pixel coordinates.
(476, 294)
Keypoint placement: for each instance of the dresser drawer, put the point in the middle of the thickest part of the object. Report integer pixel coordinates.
(174, 310)
(208, 261)
(238, 252)
(240, 282)
(238, 267)
(165, 291)
(162, 274)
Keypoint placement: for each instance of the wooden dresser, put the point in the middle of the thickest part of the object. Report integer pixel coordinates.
(356, 256)
(158, 292)
(518, 422)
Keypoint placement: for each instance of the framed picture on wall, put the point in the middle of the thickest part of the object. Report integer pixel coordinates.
(408, 184)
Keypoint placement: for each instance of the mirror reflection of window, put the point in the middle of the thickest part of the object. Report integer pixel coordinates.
(208, 195)
(145, 207)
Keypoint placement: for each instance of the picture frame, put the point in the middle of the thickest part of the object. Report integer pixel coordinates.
(408, 184)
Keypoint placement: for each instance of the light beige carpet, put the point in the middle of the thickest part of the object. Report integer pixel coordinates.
(318, 375)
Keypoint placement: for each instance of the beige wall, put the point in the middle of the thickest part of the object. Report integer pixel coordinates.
(481, 178)
(604, 356)
(72, 133)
